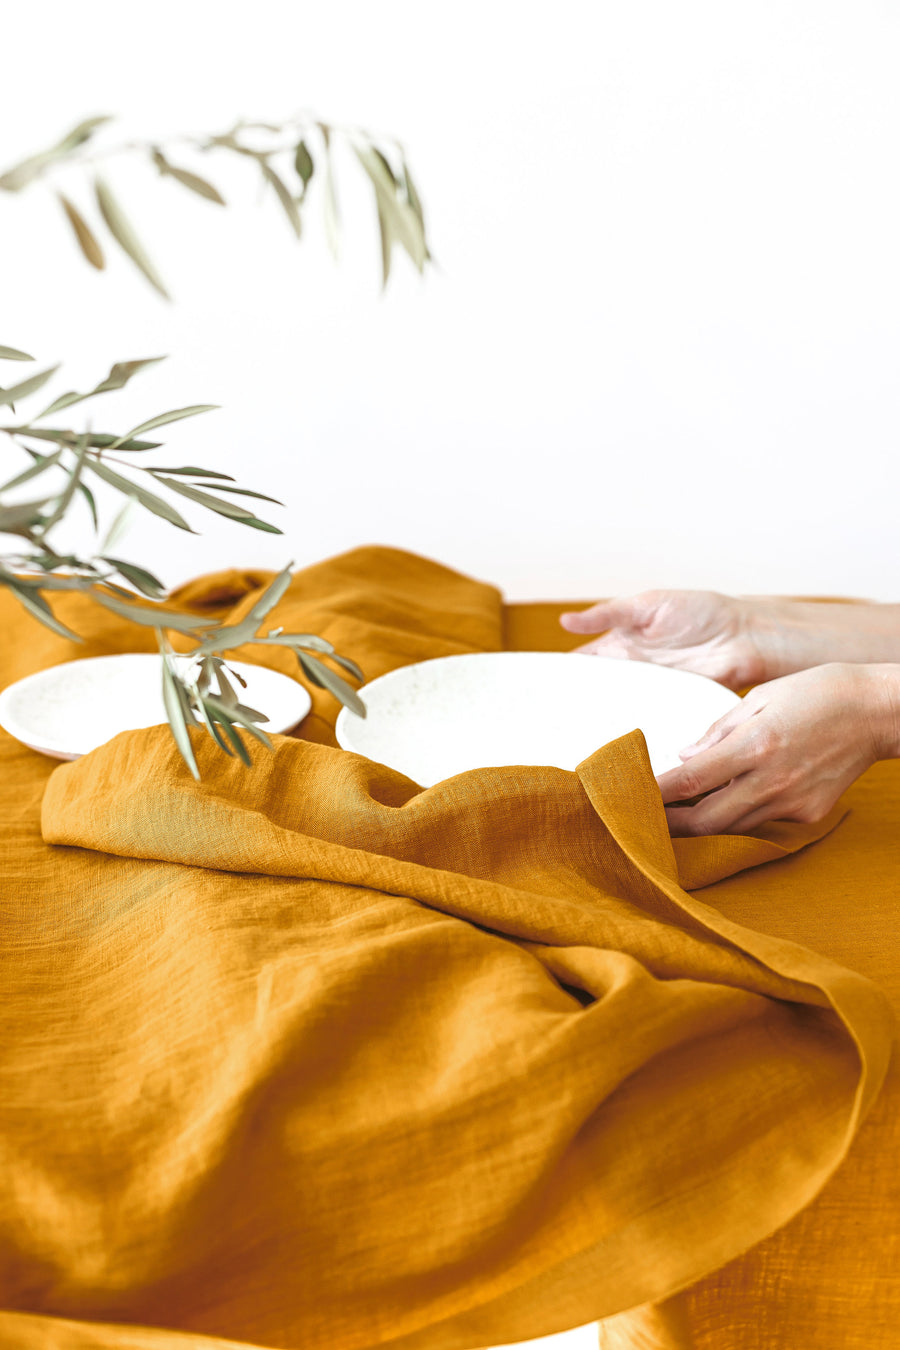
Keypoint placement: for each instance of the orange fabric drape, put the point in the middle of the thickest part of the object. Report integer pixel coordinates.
(307, 1056)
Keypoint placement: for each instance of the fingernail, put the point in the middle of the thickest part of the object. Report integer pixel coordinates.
(688, 751)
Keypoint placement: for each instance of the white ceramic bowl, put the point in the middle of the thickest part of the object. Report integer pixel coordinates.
(69, 709)
(441, 717)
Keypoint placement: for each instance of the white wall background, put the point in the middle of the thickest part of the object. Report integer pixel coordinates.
(664, 342)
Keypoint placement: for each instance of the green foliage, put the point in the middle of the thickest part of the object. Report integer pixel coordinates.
(288, 157)
(197, 691)
(37, 566)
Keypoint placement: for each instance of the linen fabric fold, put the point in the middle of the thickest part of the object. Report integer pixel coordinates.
(307, 1055)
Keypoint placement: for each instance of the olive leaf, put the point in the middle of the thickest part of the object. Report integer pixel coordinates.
(248, 718)
(384, 231)
(222, 508)
(52, 582)
(99, 440)
(254, 523)
(29, 169)
(212, 726)
(84, 235)
(26, 387)
(287, 201)
(117, 378)
(85, 492)
(331, 216)
(68, 492)
(13, 354)
(198, 704)
(192, 471)
(260, 126)
(163, 420)
(22, 516)
(223, 481)
(385, 165)
(245, 492)
(175, 712)
(221, 716)
(347, 664)
(122, 231)
(40, 465)
(412, 195)
(235, 635)
(117, 528)
(320, 675)
(248, 724)
(144, 581)
(230, 142)
(227, 696)
(269, 598)
(32, 600)
(149, 616)
(83, 132)
(315, 644)
(122, 372)
(310, 642)
(148, 500)
(303, 163)
(49, 559)
(404, 223)
(201, 186)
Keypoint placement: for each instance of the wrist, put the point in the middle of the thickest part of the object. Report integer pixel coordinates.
(883, 708)
(794, 635)
(780, 641)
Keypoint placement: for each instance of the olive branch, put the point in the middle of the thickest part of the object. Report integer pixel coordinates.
(197, 691)
(288, 157)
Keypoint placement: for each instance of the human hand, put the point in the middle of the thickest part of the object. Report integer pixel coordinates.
(787, 751)
(700, 631)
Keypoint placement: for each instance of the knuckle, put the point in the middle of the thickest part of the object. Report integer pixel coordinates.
(760, 743)
(645, 606)
(689, 784)
(653, 598)
(782, 784)
(766, 743)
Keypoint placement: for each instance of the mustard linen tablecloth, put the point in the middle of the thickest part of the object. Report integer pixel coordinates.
(307, 1056)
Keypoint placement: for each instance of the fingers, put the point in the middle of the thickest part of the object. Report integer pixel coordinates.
(719, 730)
(730, 810)
(708, 770)
(787, 752)
(737, 802)
(598, 618)
(736, 809)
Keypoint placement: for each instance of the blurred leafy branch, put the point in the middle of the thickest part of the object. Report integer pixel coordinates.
(289, 156)
(197, 691)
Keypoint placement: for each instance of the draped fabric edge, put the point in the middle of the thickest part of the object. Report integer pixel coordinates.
(860, 1006)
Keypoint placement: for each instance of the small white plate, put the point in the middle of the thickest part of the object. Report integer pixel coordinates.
(67, 710)
(441, 717)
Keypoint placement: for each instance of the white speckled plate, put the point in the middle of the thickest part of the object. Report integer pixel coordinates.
(67, 710)
(438, 718)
